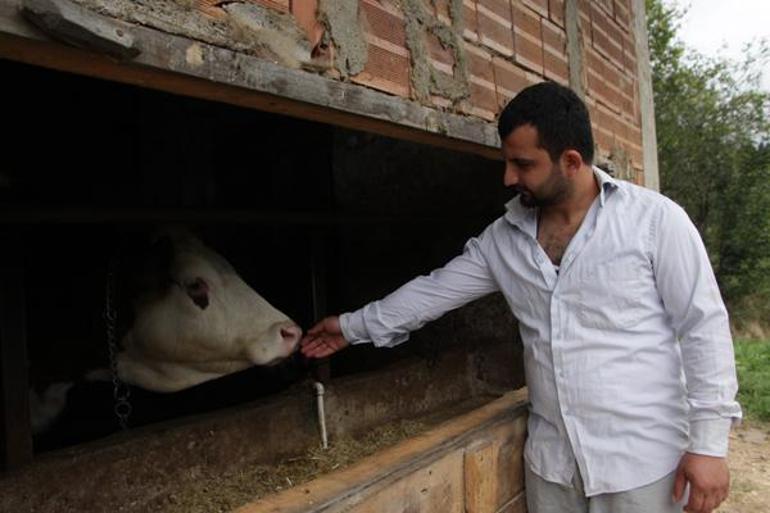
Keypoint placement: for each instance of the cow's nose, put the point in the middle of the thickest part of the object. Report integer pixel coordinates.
(291, 335)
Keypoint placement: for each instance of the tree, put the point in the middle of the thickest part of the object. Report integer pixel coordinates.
(713, 126)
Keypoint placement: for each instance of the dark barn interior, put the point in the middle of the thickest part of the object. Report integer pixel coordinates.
(317, 219)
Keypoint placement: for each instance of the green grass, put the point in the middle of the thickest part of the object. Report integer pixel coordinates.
(753, 360)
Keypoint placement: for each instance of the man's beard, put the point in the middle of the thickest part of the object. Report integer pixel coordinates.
(554, 190)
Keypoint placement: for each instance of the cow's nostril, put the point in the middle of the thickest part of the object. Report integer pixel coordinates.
(291, 334)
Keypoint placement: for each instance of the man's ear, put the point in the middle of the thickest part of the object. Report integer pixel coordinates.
(571, 162)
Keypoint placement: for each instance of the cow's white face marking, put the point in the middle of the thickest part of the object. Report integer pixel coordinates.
(206, 324)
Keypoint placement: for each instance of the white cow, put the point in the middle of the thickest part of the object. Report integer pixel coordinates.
(202, 323)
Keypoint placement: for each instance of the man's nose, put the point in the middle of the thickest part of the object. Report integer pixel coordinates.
(510, 177)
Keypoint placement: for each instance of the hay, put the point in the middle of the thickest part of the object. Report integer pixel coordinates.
(225, 492)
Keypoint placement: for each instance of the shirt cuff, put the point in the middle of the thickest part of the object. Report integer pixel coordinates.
(353, 328)
(710, 437)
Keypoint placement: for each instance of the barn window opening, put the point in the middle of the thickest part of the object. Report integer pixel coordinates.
(315, 218)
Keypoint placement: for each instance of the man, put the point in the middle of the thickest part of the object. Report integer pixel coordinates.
(627, 349)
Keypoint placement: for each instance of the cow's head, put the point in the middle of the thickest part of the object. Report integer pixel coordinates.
(200, 322)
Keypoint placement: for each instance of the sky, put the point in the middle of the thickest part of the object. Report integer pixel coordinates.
(722, 27)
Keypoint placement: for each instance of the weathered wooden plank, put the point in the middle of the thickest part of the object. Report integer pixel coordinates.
(73, 24)
(646, 103)
(494, 472)
(15, 430)
(480, 478)
(435, 488)
(516, 505)
(344, 490)
(180, 65)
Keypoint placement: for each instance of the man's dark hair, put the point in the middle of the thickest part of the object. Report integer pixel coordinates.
(559, 115)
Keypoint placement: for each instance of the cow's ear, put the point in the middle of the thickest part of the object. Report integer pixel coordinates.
(198, 290)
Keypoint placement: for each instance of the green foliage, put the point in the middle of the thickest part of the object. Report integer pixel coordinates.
(753, 362)
(713, 129)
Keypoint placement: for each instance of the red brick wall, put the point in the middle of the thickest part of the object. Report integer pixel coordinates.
(610, 74)
(506, 45)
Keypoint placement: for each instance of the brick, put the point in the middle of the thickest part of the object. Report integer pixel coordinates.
(527, 22)
(211, 8)
(639, 176)
(556, 11)
(555, 52)
(603, 140)
(607, 5)
(438, 52)
(386, 71)
(509, 79)
(606, 119)
(442, 11)
(598, 88)
(470, 21)
(484, 101)
(528, 39)
(622, 16)
(483, 94)
(635, 135)
(280, 5)
(305, 15)
(628, 96)
(495, 31)
(539, 6)
(606, 36)
(384, 25)
(629, 56)
(480, 64)
(501, 8)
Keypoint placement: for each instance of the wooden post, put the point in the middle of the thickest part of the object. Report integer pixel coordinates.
(15, 429)
(646, 104)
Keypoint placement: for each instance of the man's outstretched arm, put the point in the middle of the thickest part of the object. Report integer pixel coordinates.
(389, 321)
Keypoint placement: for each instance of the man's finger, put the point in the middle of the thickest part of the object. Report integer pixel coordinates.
(679, 483)
(695, 504)
(323, 351)
(710, 503)
(315, 330)
(312, 346)
(309, 341)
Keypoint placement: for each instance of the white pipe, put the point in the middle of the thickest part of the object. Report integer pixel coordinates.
(319, 392)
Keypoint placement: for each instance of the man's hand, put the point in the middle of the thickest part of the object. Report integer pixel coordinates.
(323, 339)
(709, 481)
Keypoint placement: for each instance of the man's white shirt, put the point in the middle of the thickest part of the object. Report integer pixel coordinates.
(627, 349)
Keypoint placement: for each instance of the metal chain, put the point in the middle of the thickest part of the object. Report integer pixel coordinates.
(120, 391)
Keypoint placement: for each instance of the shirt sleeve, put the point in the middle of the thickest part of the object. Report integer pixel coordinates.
(691, 297)
(387, 322)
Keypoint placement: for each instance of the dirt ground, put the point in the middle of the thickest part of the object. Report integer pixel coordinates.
(749, 462)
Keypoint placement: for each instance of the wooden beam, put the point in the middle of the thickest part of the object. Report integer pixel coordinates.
(646, 98)
(15, 429)
(187, 67)
(574, 47)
